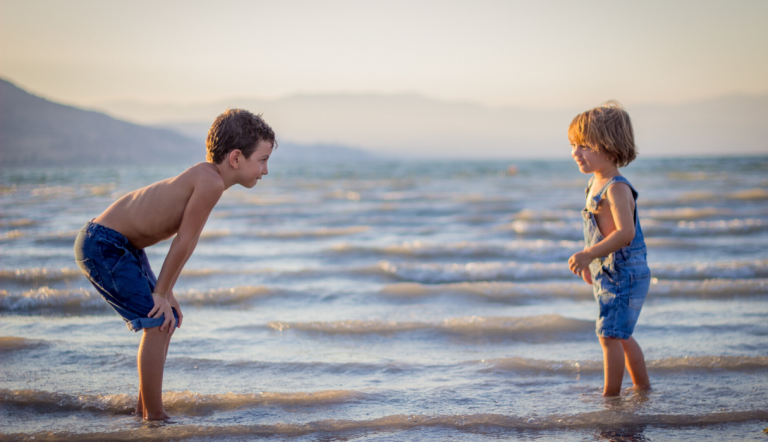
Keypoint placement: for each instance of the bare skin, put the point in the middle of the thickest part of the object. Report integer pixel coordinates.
(176, 206)
(615, 219)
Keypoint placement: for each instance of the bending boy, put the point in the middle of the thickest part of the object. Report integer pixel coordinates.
(110, 249)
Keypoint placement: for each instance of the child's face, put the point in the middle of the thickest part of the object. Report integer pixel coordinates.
(590, 160)
(255, 166)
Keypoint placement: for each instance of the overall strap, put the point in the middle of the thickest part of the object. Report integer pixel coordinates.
(589, 186)
(617, 179)
(595, 200)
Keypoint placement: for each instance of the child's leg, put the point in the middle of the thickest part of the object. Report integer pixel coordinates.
(152, 350)
(140, 401)
(635, 361)
(613, 364)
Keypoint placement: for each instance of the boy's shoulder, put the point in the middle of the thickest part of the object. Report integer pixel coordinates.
(204, 176)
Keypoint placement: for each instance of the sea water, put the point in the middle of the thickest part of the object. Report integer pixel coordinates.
(388, 301)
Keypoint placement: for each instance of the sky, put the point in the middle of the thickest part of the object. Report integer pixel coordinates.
(547, 54)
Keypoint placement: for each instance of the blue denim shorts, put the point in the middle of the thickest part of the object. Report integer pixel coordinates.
(120, 273)
(620, 294)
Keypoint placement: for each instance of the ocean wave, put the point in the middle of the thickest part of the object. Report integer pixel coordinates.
(48, 298)
(436, 273)
(709, 288)
(320, 232)
(492, 290)
(474, 271)
(682, 213)
(472, 325)
(550, 229)
(720, 227)
(11, 343)
(40, 275)
(710, 270)
(81, 299)
(471, 423)
(531, 249)
(181, 402)
(755, 194)
(547, 215)
(683, 364)
(499, 291)
(20, 222)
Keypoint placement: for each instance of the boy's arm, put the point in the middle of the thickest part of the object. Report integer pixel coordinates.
(619, 199)
(200, 204)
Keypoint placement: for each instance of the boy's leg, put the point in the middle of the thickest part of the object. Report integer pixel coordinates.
(154, 345)
(635, 361)
(613, 364)
(140, 401)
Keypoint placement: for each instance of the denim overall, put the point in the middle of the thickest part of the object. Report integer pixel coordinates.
(621, 280)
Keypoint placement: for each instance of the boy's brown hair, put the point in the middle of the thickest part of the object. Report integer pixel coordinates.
(236, 129)
(606, 128)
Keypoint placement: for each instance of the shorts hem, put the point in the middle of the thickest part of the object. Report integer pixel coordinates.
(142, 323)
(613, 334)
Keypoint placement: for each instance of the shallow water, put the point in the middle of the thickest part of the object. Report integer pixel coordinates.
(394, 301)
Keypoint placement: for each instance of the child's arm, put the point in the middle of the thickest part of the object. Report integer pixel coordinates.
(204, 197)
(171, 298)
(619, 199)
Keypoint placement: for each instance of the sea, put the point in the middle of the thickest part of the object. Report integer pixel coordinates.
(394, 301)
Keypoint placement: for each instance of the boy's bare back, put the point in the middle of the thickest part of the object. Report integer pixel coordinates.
(178, 205)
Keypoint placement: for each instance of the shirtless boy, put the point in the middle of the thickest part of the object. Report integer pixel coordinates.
(110, 249)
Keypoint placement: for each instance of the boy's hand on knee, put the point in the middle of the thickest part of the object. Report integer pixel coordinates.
(162, 308)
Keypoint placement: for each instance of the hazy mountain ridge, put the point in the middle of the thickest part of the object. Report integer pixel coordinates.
(34, 130)
(37, 131)
(414, 125)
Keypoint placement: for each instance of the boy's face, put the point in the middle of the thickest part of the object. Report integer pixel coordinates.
(590, 160)
(256, 166)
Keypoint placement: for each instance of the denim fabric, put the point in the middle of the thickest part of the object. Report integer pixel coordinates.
(621, 280)
(120, 273)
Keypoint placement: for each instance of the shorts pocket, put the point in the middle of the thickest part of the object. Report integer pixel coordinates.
(113, 254)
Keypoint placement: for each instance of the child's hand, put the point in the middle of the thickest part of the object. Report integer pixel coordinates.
(579, 262)
(175, 305)
(162, 307)
(585, 275)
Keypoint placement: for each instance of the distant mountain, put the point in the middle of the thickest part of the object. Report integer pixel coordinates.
(410, 126)
(35, 131)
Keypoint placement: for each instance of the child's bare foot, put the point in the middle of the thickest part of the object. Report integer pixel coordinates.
(640, 388)
(159, 416)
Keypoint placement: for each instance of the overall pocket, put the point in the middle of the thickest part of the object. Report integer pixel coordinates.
(640, 283)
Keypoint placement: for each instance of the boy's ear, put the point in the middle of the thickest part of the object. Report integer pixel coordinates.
(235, 157)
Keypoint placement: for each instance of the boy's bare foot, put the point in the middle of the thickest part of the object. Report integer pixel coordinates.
(639, 388)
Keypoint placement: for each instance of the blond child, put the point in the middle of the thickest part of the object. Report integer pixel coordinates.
(614, 255)
(110, 248)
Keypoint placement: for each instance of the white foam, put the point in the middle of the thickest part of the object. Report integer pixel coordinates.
(464, 325)
(530, 249)
(474, 271)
